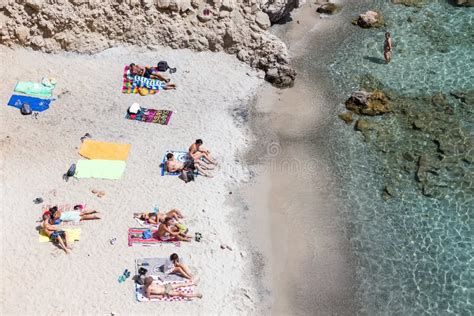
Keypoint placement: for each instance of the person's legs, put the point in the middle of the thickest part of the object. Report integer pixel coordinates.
(175, 213)
(182, 272)
(62, 244)
(176, 293)
(170, 86)
(89, 212)
(201, 170)
(186, 270)
(89, 217)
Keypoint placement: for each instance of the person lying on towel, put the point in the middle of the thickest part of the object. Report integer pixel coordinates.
(172, 165)
(78, 215)
(155, 218)
(151, 73)
(54, 233)
(155, 290)
(169, 231)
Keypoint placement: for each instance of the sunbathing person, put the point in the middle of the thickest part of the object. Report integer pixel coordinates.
(172, 165)
(78, 215)
(175, 266)
(168, 231)
(196, 151)
(154, 290)
(151, 73)
(54, 233)
(155, 218)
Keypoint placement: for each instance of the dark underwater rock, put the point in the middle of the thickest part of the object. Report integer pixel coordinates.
(370, 19)
(346, 117)
(368, 103)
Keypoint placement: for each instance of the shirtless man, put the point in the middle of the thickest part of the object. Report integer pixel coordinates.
(196, 151)
(154, 290)
(155, 218)
(55, 234)
(152, 74)
(167, 231)
(172, 165)
(387, 48)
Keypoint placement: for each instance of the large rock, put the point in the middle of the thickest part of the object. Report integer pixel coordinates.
(370, 19)
(22, 33)
(278, 10)
(281, 78)
(368, 103)
(263, 20)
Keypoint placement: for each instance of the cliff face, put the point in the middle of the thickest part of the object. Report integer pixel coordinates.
(87, 26)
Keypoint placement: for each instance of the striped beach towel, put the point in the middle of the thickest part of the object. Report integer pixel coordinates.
(151, 116)
(135, 238)
(131, 83)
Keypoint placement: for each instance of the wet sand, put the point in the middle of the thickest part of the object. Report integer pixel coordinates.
(294, 200)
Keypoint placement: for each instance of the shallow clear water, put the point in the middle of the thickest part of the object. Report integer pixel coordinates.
(415, 254)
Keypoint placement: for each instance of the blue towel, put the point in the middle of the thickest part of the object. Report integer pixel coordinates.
(36, 104)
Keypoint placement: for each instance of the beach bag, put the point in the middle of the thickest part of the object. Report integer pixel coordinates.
(187, 176)
(162, 66)
(25, 109)
(134, 108)
(70, 172)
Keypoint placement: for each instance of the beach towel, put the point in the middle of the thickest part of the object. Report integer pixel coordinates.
(140, 295)
(135, 238)
(151, 116)
(131, 83)
(72, 234)
(36, 104)
(102, 169)
(35, 89)
(64, 208)
(92, 149)
(179, 156)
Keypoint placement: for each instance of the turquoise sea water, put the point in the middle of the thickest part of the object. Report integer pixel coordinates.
(415, 250)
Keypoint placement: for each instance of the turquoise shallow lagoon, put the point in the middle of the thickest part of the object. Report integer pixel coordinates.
(414, 249)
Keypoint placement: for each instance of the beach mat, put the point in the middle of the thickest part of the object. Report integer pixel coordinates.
(179, 156)
(101, 169)
(131, 83)
(151, 116)
(135, 238)
(34, 89)
(93, 149)
(64, 208)
(36, 104)
(73, 234)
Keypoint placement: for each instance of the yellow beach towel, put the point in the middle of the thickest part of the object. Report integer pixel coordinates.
(92, 149)
(72, 234)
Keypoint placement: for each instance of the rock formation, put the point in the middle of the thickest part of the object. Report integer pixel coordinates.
(370, 19)
(368, 103)
(328, 8)
(87, 26)
(278, 10)
(464, 3)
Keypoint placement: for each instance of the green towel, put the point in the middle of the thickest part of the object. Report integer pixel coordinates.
(34, 89)
(103, 169)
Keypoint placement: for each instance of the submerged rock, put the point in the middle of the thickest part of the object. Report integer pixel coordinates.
(346, 117)
(370, 19)
(328, 8)
(368, 103)
(463, 3)
(412, 3)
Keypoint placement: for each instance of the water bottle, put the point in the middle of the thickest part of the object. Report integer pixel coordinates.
(155, 208)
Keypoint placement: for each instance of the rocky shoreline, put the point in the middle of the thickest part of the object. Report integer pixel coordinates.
(88, 26)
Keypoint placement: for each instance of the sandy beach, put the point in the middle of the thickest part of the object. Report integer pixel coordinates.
(213, 90)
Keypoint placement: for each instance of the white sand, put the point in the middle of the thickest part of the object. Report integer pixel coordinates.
(40, 279)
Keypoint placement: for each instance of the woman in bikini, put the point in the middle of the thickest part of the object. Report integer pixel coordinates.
(387, 48)
(155, 218)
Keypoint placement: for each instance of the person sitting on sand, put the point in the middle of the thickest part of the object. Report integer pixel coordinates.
(151, 73)
(168, 231)
(155, 290)
(78, 215)
(172, 165)
(54, 233)
(155, 218)
(197, 151)
(174, 265)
